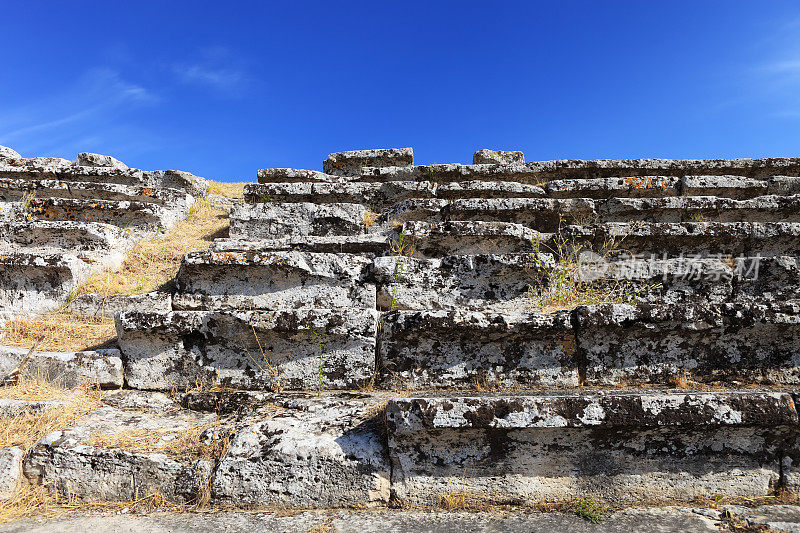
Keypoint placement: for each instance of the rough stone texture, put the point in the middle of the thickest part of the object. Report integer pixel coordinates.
(108, 305)
(8, 153)
(652, 343)
(467, 237)
(142, 216)
(485, 156)
(10, 471)
(350, 163)
(690, 238)
(457, 349)
(634, 187)
(657, 446)
(270, 280)
(480, 282)
(177, 179)
(274, 220)
(87, 159)
(784, 518)
(67, 369)
(13, 190)
(284, 349)
(631, 520)
(67, 460)
(33, 282)
(293, 175)
(358, 244)
(312, 452)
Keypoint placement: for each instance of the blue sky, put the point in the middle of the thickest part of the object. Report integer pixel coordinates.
(223, 89)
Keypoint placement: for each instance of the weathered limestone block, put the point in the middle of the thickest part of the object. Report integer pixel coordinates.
(540, 171)
(700, 208)
(487, 189)
(654, 343)
(142, 216)
(419, 209)
(689, 238)
(542, 214)
(284, 349)
(632, 187)
(108, 305)
(469, 237)
(463, 349)
(770, 279)
(67, 369)
(88, 159)
(69, 461)
(13, 190)
(351, 163)
(497, 157)
(177, 179)
(618, 446)
(738, 187)
(368, 244)
(520, 173)
(8, 153)
(664, 280)
(311, 452)
(377, 196)
(273, 280)
(476, 282)
(295, 175)
(52, 168)
(97, 243)
(32, 282)
(783, 185)
(275, 220)
(10, 470)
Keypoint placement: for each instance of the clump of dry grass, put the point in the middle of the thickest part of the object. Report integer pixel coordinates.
(462, 500)
(176, 442)
(27, 428)
(234, 191)
(60, 330)
(153, 262)
(370, 219)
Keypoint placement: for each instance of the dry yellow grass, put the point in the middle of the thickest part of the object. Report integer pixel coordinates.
(234, 191)
(60, 330)
(153, 263)
(177, 442)
(27, 428)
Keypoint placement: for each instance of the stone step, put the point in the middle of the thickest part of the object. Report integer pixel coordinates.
(617, 445)
(96, 243)
(549, 214)
(380, 196)
(754, 343)
(479, 281)
(276, 220)
(542, 171)
(33, 282)
(368, 244)
(125, 450)
(295, 175)
(141, 216)
(13, 190)
(511, 282)
(350, 163)
(285, 349)
(101, 367)
(437, 239)
(273, 280)
(464, 349)
(689, 238)
(63, 170)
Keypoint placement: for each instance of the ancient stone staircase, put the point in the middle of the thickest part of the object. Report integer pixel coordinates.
(423, 283)
(61, 220)
(384, 333)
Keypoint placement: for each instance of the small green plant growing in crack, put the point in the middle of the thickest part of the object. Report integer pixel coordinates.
(588, 509)
(400, 249)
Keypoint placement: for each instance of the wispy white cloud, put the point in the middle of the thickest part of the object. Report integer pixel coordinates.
(63, 122)
(216, 68)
